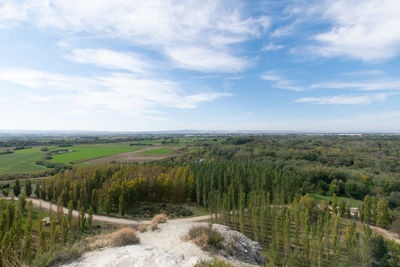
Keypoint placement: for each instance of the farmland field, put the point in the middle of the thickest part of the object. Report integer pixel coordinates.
(21, 161)
(165, 150)
(87, 152)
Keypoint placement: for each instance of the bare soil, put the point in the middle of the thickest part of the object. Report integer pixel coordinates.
(133, 156)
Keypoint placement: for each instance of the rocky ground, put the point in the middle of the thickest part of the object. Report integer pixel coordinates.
(167, 247)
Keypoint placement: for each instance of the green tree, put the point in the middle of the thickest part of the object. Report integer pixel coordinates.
(95, 200)
(90, 217)
(107, 205)
(367, 209)
(17, 188)
(82, 219)
(70, 209)
(64, 229)
(27, 254)
(53, 228)
(374, 211)
(28, 188)
(366, 246)
(42, 234)
(22, 202)
(342, 207)
(121, 205)
(383, 216)
(334, 204)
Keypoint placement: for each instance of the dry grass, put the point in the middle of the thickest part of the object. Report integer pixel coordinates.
(142, 228)
(205, 237)
(125, 236)
(153, 226)
(159, 218)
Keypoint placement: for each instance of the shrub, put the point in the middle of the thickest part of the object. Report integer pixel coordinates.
(125, 236)
(159, 218)
(141, 228)
(153, 226)
(205, 237)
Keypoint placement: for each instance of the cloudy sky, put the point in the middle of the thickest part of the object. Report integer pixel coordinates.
(207, 65)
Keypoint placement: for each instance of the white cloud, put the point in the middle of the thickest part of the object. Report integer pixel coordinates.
(119, 92)
(367, 30)
(110, 59)
(272, 47)
(161, 25)
(206, 60)
(279, 82)
(364, 86)
(345, 99)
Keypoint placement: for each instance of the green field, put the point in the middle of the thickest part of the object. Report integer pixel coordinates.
(157, 151)
(21, 161)
(87, 152)
(353, 202)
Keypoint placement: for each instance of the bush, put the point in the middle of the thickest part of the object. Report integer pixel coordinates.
(141, 228)
(159, 218)
(125, 236)
(205, 237)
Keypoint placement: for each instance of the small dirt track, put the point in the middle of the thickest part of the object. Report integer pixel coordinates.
(109, 219)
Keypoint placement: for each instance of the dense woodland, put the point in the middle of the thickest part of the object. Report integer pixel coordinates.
(259, 186)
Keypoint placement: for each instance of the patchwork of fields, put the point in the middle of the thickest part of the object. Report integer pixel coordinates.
(82, 153)
(21, 161)
(24, 161)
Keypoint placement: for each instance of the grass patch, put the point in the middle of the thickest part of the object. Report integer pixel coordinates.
(83, 153)
(21, 161)
(353, 202)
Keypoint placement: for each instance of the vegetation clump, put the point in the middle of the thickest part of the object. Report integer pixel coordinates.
(124, 237)
(213, 263)
(141, 228)
(159, 218)
(205, 237)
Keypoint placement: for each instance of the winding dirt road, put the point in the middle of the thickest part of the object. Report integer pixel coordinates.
(108, 219)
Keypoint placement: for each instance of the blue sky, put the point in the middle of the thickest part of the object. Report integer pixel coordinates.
(204, 65)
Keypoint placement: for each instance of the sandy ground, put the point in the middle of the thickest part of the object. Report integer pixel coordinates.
(163, 248)
(133, 156)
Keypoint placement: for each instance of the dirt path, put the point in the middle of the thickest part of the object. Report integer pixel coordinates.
(132, 156)
(108, 219)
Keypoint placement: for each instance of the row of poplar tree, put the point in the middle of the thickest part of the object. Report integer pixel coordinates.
(16, 237)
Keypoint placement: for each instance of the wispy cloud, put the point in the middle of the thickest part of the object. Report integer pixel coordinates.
(121, 92)
(206, 60)
(279, 82)
(110, 59)
(169, 27)
(272, 47)
(364, 86)
(345, 99)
